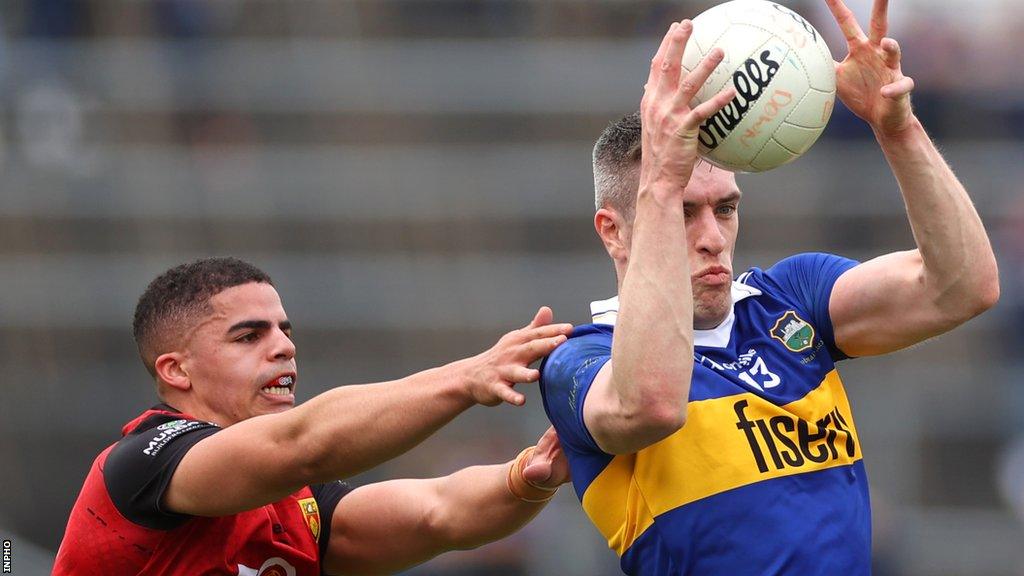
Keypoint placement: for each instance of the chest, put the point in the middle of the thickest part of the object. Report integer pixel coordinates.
(278, 539)
(772, 352)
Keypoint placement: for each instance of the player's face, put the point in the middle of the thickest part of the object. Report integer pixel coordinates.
(711, 200)
(241, 359)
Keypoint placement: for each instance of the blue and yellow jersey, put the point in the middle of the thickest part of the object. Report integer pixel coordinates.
(766, 477)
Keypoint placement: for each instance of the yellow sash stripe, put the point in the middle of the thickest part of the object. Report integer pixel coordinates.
(711, 455)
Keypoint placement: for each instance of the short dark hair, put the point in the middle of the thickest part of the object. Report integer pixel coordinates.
(176, 298)
(617, 163)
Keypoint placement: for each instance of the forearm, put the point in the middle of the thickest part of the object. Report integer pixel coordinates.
(390, 526)
(474, 506)
(958, 265)
(652, 352)
(350, 429)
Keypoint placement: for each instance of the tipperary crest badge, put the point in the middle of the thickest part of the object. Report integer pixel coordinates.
(794, 333)
(311, 513)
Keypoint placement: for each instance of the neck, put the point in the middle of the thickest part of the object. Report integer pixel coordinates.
(195, 410)
(699, 324)
(620, 274)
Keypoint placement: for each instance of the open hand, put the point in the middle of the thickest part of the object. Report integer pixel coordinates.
(491, 375)
(870, 80)
(670, 125)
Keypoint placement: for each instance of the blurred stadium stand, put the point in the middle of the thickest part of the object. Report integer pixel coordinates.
(415, 174)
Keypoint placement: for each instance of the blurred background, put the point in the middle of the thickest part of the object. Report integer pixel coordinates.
(415, 175)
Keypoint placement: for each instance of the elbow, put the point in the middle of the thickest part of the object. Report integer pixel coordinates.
(651, 421)
(990, 290)
(656, 428)
(447, 536)
(665, 403)
(974, 292)
(441, 531)
(438, 526)
(306, 467)
(988, 297)
(661, 410)
(651, 407)
(635, 431)
(307, 454)
(983, 294)
(986, 292)
(664, 419)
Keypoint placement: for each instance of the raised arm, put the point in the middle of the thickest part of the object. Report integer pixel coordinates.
(899, 299)
(639, 397)
(351, 428)
(386, 527)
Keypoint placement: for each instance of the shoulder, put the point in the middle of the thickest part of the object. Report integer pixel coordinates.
(798, 274)
(808, 266)
(566, 377)
(586, 343)
(805, 282)
(328, 494)
(154, 433)
(140, 466)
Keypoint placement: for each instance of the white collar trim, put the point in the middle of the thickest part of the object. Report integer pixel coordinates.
(607, 311)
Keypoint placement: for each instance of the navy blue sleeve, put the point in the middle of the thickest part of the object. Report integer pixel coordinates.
(139, 468)
(809, 279)
(566, 376)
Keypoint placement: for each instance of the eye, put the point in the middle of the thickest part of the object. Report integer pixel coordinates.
(726, 210)
(248, 337)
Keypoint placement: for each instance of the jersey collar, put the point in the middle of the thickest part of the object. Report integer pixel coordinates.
(607, 311)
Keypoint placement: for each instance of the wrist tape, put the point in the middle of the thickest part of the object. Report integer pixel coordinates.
(520, 487)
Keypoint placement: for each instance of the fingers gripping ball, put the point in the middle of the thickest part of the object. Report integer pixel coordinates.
(784, 78)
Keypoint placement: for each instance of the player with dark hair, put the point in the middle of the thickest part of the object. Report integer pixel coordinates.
(706, 427)
(225, 476)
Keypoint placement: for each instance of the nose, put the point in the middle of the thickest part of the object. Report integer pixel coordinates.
(283, 347)
(706, 232)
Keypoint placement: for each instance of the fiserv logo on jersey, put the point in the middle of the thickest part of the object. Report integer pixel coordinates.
(789, 442)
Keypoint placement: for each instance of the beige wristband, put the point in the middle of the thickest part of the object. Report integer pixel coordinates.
(520, 487)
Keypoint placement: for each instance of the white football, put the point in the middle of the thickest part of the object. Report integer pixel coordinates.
(785, 84)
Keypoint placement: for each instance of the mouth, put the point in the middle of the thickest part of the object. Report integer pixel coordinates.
(282, 387)
(714, 275)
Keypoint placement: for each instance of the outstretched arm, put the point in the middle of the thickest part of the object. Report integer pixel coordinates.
(900, 299)
(386, 527)
(640, 395)
(351, 428)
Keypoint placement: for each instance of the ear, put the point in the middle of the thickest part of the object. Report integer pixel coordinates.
(614, 233)
(170, 369)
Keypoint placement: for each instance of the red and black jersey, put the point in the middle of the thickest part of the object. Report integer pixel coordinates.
(118, 526)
